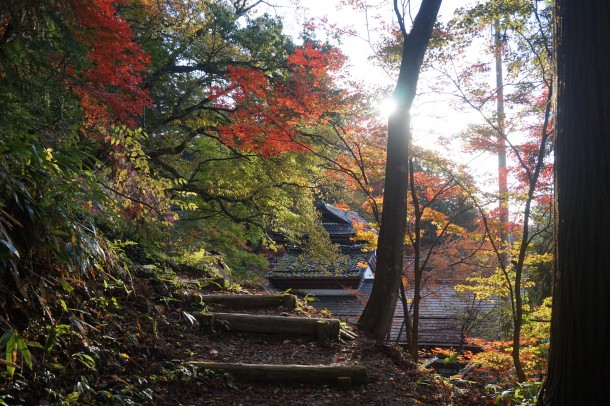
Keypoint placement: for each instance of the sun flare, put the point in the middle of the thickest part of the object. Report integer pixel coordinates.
(386, 107)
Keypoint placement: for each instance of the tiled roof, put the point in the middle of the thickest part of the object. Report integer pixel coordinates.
(339, 229)
(442, 313)
(294, 264)
(333, 213)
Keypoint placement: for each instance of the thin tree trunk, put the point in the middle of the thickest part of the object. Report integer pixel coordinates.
(379, 311)
(406, 315)
(579, 358)
(417, 266)
(525, 242)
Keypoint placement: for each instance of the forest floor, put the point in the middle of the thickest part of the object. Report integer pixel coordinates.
(133, 347)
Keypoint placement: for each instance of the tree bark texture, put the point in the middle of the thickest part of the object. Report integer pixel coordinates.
(579, 360)
(379, 311)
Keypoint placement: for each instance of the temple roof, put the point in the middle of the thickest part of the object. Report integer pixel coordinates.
(444, 314)
(295, 270)
(295, 263)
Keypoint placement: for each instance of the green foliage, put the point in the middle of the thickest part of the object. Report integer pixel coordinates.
(522, 393)
(44, 211)
(138, 208)
(498, 286)
(15, 347)
(203, 263)
(50, 179)
(232, 203)
(229, 200)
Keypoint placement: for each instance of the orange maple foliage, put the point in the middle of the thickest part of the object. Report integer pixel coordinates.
(108, 86)
(269, 112)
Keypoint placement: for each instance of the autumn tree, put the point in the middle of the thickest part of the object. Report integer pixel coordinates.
(237, 124)
(377, 315)
(69, 70)
(352, 154)
(580, 329)
(442, 234)
(516, 121)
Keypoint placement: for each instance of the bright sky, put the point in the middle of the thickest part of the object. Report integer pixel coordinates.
(356, 48)
(433, 116)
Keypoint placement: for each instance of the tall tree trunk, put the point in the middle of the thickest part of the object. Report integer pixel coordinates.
(579, 359)
(501, 147)
(517, 316)
(379, 311)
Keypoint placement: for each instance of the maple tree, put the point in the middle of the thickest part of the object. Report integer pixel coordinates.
(352, 153)
(109, 84)
(438, 244)
(525, 130)
(271, 113)
(238, 121)
(442, 234)
(68, 69)
(73, 179)
(93, 55)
